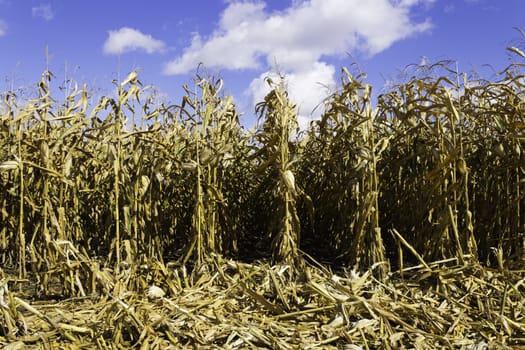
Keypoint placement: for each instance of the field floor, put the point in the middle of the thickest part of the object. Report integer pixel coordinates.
(232, 305)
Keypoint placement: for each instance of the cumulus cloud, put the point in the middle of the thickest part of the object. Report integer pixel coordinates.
(3, 28)
(44, 11)
(128, 39)
(299, 39)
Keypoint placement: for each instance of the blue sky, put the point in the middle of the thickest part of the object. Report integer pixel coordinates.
(245, 41)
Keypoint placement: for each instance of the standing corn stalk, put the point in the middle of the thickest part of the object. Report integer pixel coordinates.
(275, 162)
(119, 121)
(213, 127)
(342, 154)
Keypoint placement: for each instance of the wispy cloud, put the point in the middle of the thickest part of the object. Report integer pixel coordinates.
(3, 27)
(299, 39)
(44, 11)
(128, 39)
(449, 8)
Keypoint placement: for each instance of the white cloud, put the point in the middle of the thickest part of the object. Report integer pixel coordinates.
(3, 28)
(44, 11)
(299, 39)
(311, 29)
(128, 39)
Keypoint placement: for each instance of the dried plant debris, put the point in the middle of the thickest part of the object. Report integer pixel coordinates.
(232, 305)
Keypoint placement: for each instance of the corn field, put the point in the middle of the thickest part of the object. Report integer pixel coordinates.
(391, 222)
